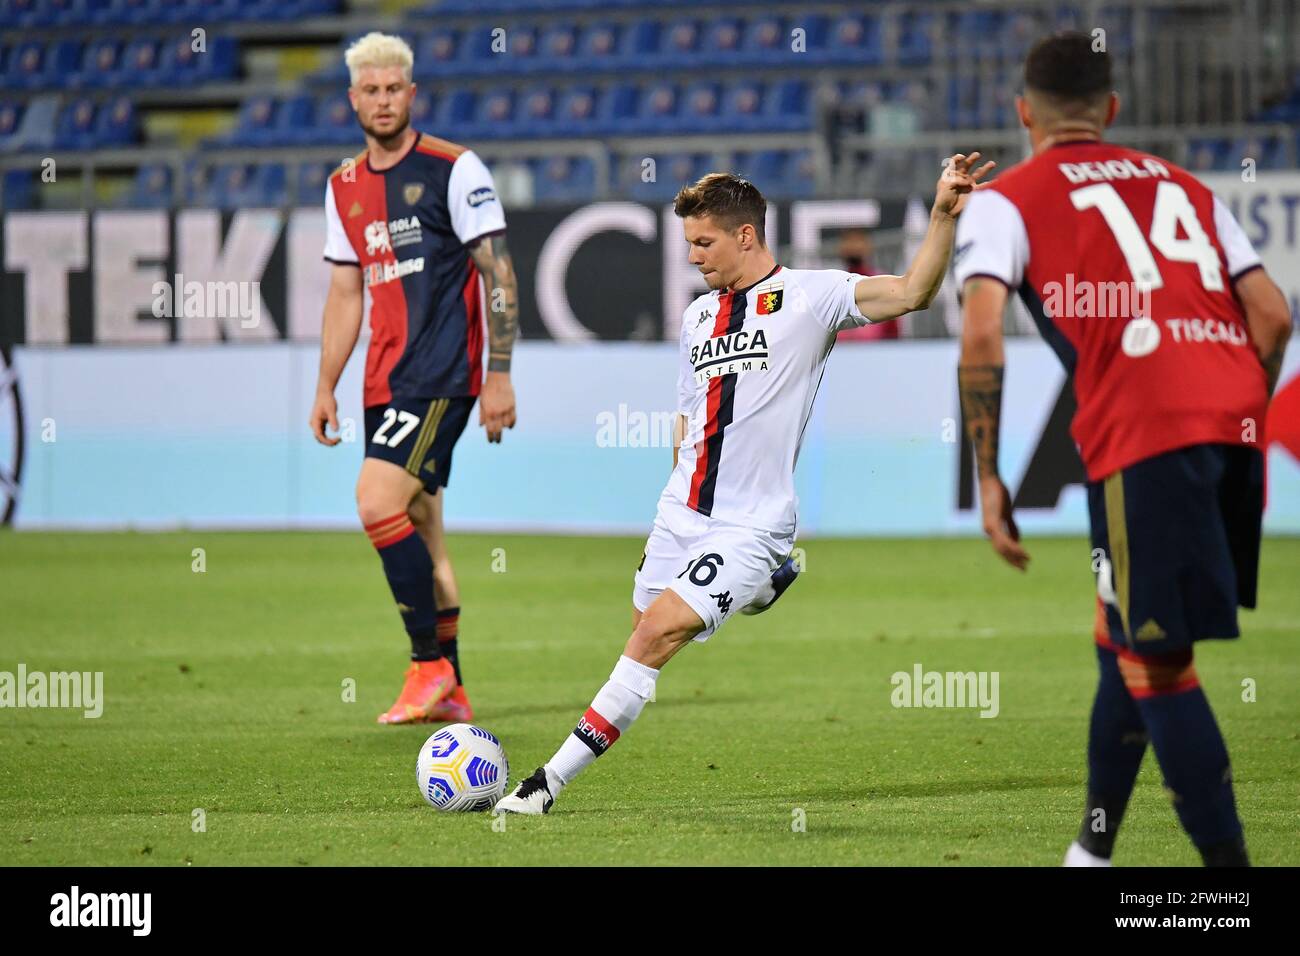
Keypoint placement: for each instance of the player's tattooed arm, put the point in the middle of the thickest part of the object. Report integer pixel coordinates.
(496, 404)
(980, 387)
(1269, 318)
(492, 256)
(979, 384)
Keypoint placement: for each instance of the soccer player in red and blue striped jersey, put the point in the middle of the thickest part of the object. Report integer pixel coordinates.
(417, 222)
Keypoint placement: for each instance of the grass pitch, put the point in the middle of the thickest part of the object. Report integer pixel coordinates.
(775, 743)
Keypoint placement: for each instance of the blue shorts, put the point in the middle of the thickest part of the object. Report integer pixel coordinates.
(1175, 542)
(418, 434)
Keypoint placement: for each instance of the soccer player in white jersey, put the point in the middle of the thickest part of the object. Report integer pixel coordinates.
(752, 354)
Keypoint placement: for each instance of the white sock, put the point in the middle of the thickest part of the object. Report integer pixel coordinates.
(630, 686)
(1078, 856)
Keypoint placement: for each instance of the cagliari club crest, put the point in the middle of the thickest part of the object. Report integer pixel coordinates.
(412, 192)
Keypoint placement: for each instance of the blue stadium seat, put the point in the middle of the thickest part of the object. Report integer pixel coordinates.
(616, 109)
(100, 62)
(672, 172)
(294, 121)
(36, 124)
(75, 128)
(152, 187)
(181, 65)
(311, 183)
(494, 117)
(335, 123)
(266, 186)
(855, 39)
(558, 50)
(11, 114)
(657, 110)
(766, 41)
(422, 113)
(599, 47)
(26, 69)
(563, 179)
(701, 109)
(680, 45)
(742, 106)
(786, 107)
(722, 41)
(639, 45)
(435, 54)
(578, 113)
(781, 174)
(254, 125)
(139, 63)
(117, 124)
(19, 189)
(536, 116)
(914, 45)
(455, 113)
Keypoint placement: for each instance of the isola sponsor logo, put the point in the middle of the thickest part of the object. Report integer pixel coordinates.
(481, 195)
(735, 354)
(378, 273)
(403, 231)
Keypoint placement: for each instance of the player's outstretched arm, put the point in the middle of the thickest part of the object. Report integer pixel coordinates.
(881, 298)
(496, 410)
(339, 331)
(1268, 318)
(979, 381)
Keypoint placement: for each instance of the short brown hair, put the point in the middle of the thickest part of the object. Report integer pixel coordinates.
(1067, 68)
(729, 200)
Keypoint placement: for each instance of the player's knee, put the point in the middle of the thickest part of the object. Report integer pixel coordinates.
(656, 633)
(1153, 676)
(374, 505)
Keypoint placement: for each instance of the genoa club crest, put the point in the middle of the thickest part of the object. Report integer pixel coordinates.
(769, 298)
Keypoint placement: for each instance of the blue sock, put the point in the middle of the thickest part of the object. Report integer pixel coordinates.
(1194, 761)
(409, 570)
(1117, 741)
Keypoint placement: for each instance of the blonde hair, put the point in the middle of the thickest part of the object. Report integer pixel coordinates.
(380, 50)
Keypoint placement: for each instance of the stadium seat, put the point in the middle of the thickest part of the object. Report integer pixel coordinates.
(435, 54)
(766, 42)
(680, 46)
(599, 48)
(639, 45)
(855, 39)
(558, 52)
(786, 107)
(336, 123)
(578, 113)
(311, 183)
(151, 188)
(701, 110)
(36, 125)
(139, 64)
(742, 106)
(616, 109)
(254, 125)
(657, 110)
(672, 171)
(76, 126)
(117, 124)
(536, 115)
(563, 179)
(722, 41)
(494, 117)
(19, 189)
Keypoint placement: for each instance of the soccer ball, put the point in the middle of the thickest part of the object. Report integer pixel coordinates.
(462, 768)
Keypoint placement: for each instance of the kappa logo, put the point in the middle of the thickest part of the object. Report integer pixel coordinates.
(355, 211)
(377, 238)
(724, 601)
(705, 316)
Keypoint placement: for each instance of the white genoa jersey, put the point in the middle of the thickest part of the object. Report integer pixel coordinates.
(751, 361)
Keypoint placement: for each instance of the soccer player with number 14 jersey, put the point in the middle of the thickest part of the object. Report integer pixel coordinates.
(1172, 380)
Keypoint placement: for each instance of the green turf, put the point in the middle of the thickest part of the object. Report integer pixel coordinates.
(224, 693)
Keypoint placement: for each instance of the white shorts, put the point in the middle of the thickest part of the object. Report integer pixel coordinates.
(715, 567)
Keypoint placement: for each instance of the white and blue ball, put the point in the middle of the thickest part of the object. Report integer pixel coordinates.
(462, 768)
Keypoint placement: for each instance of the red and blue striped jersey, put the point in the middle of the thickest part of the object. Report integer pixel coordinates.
(408, 228)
